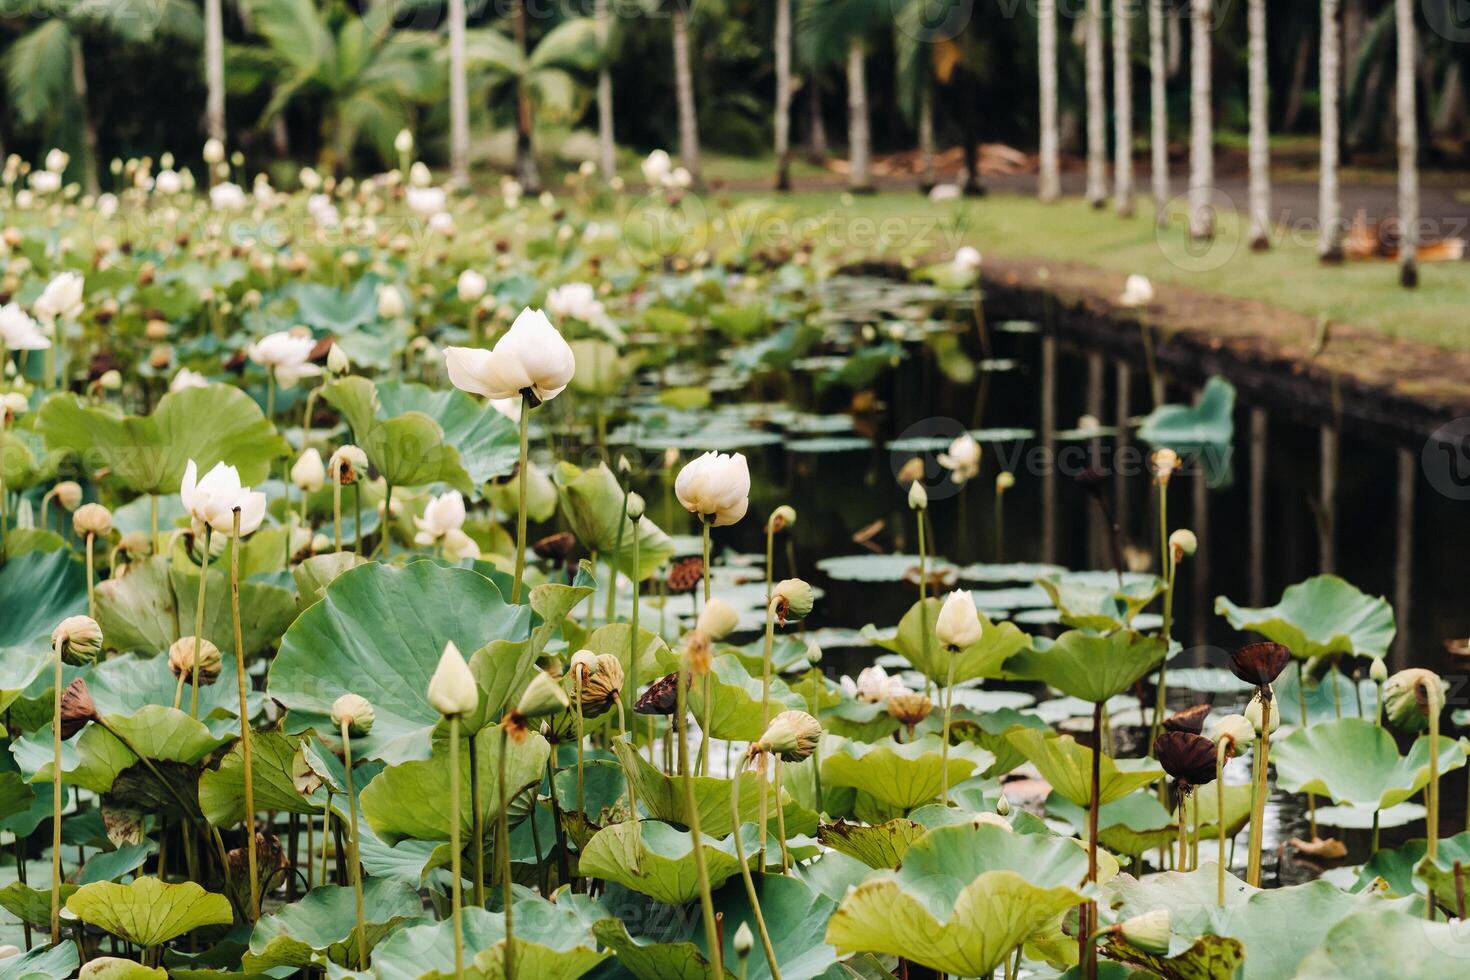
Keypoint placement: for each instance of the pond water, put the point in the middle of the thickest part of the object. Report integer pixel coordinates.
(1284, 501)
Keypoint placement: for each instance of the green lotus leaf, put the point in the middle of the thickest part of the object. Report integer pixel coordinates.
(1322, 616)
(103, 754)
(319, 571)
(214, 424)
(340, 645)
(16, 798)
(54, 962)
(989, 732)
(1387, 942)
(601, 369)
(861, 721)
(881, 846)
(222, 789)
(901, 774)
(552, 940)
(1090, 666)
(1133, 825)
(733, 708)
(1204, 429)
(879, 568)
(657, 860)
(1237, 809)
(18, 471)
(117, 968)
(1067, 766)
(29, 904)
(1096, 601)
(986, 658)
(592, 501)
(1356, 762)
(965, 897)
(147, 911)
(662, 797)
(37, 591)
(320, 928)
(112, 865)
(1190, 897)
(1402, 871)
(411, 799)
(124, 684)
(1207, 958)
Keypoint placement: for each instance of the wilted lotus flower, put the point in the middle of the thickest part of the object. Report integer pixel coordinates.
(286, 355)
(212, 500)
(909, 707)
(356, 711)
(79, 639)
(792, 735)
(963, 458)
(348, 465)
(660, 698)
(123, 826)
(958, 625)
(1137, 291)
(874, 685)
(309, 473)
(717, 619)
(18, 331)
(684, 575)
(793, 600)
(1411, 696)
(61, 299)
(1182, 544)
(1191, 719)
(452, 688)
(77, 708)
(715, 487)
(1260, 663)
(531, 360)
(1188, 757)
(181, 659)
(599, 679)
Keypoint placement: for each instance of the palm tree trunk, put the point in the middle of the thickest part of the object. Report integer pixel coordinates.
(1122, 110)
(89, 128)
(684, 89)
(1408, 145)
(1097, 133)
(1329, 205)
(606, 147)
(214, 71)
(783, 95)
(816, 144)
(859, 145)
(1158, 104)
(1049, 180)
(927, 179)
(1260, 130)
(1201, 125)
(459, 98)
(527, 173)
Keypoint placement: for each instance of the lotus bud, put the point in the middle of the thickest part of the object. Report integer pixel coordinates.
(452, 689)
(92, 519)
(337, 360)
(793, 600)
(792, 735)
(1148, 932)
(782, 518)
(77, 707)
(990, 820)
(181, 659)
(308, 472)
(744, 941)
(1004, 480)
(910, 707)
(1182, 544)
(214, 151)
(68, 494)
(1003, 805)
(1411, 696)
(1236, 730)
(918, 496)
(79, 639)
(403, 142)
(1378, 671)
(348, 464)
(717, 619)
(813, 652)
(543, 696)
(1166, 462)
(636, 507)
(356, 711)
(958, 625)
(1254, 715)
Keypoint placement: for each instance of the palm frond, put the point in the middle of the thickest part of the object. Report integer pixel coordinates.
(38, 72)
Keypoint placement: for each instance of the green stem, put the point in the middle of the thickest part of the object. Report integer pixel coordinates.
(612, 560)
(503, 823)
(944, 737)
(923, 592)
(1220, 822)
(337, 513)
(356, 866)
(199, 627)
(242, 680)
(477, 822)
(1258, 798)
(56, 796)
(765, 722)
(515, 588)
(706, 900)
(91, 586)
(1089, 911)
(1431, 791)
(454, 849)
(755, 905)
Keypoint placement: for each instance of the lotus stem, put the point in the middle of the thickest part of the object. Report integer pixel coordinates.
(477, 822)
(765, 720)
(56, 792)
(385, 528)
(1220, 820)
(1161, 694)
(1434, 700)
(336, 513)
(152, 520)
(923, 591)
(755, 905)
(707, 904)
(454, 855)
(356, 865)
(357, 517)
(612, 559)
(1258, 795)
(503, 823)
(781, 820)
(1089, 909)
(525, 427)
(581, 737)
(91, 585)
(242, 681)
(944, 737)
(199, 627)
(1183, 863)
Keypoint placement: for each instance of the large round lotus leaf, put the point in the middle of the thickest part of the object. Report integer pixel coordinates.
(378, 632)
(989, 732)
(733, 707)
(214, 424)
(1133, 825)
(1402, 870)
(1321, 616)
(320, 928)
(877, 846)
(1388, 942)
(901, 774)
(416, 435)
(592, 501)
(1356, 762)
(222, 788)
(33, 905)
(1205, 429)
(125, 684)
(98, 756)
(965, 897)
(37, 591)
(552, 941)
(1067, 766)
(657, 860)
(117, 968)
(1190, 897)
(147, 911)
(1097, 601)
(985, 658)
(55, 962)
(1091, 666)
(411, 799)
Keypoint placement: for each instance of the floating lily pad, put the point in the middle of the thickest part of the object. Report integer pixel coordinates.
(1322, 616)
(1090, 666)
(879, 568)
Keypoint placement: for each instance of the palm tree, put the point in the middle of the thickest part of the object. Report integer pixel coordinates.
(459, 98)
(1049, 183)
(1260, 132)
(362, 78)
(783, 95)
(1408, 146)
(1122, 111)
(1097, 133)
(915, 29)
(684, 91)
(1329, 207)
(1201, 125)
(859, 139)
(46, 71)
(1158, 67)
(829, 30)
(606, 148)
(214, 70)
(527, 173)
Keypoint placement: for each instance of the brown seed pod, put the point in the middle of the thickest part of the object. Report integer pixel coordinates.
(1189, 758)
(556, 548)
(686, 574)
(661, 698)
(76, 708)
(1259, 663)
(1191, 719)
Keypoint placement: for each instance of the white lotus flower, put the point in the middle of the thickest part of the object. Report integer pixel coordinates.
(18, 331)
(285, 355)
(403, 142)
(1137, 291)
(61, 299)
(470, 286)
(452, 689)
(441, 223)
(679, 179)
(425, 200)
(531, 358)
(188, 379)
(443, 514)
(212, 500)
(509, 407)
(958, 625)
(715, 486)
(875, 685)
(511, 192)
(390, 303)
(214, 152)
(228, 197)
(57, 159)
(967, 257)
(575, 300)
(963, 458)
(657, 167)
(309, 473)
(45, 181)
(168, 182)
